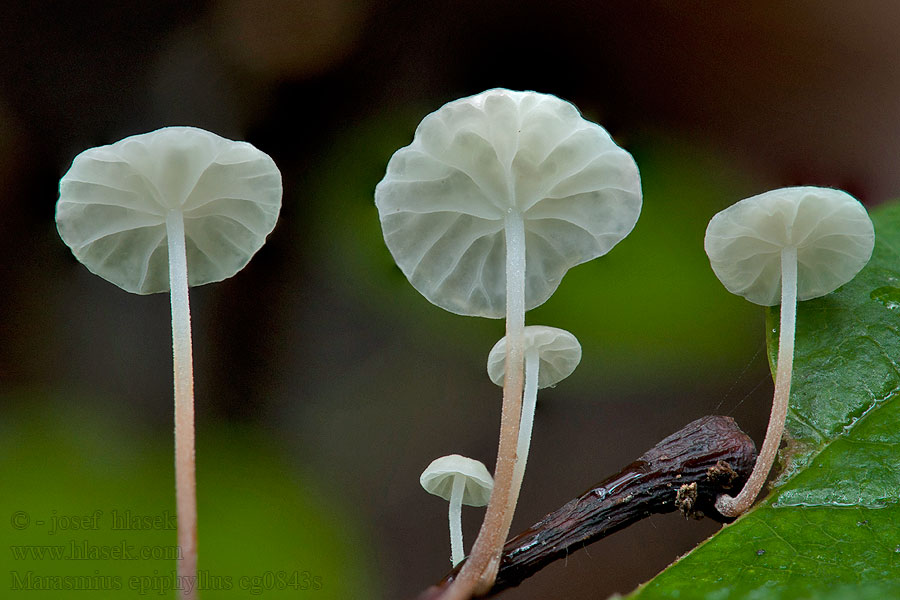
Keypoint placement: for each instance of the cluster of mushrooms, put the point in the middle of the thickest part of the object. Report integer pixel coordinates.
(498, 195)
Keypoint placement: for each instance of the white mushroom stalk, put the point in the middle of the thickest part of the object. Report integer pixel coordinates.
(459, 480)
(183, 363)
(498, 521)
(799, 243)
(498, 195)
(158, 212)
(551, 355)
(529, 405)
(514, 231)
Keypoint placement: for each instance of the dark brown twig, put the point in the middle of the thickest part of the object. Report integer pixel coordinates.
(686, 471)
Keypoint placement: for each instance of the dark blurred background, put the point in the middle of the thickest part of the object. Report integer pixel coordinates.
(324, 382)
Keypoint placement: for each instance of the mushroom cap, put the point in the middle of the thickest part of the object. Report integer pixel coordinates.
(114, 199)
(445, 198)
(829, 228)
(438, 478)
(559, 354)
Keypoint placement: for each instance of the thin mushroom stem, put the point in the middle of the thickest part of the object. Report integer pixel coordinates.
(734, 506)
(455, 515)
(480, 570)
(185, 479)
(529, 403)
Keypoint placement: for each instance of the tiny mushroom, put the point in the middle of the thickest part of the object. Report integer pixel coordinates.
(785, 245)
(157, 212)
(551, 355)
(497, 196)
(459, 480)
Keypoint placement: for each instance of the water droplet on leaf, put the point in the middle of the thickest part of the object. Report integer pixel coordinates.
(887, 295)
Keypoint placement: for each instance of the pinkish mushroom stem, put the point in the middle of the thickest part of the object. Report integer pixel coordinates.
(734, 506)
(185, 478)
(480, 570)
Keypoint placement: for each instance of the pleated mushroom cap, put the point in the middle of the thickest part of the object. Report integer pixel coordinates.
(438, 478)
(830, 229)
(444, 200)
(558, 352)
(114, 200)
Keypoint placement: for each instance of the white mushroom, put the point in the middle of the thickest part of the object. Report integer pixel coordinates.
(551, 355)
(794, 243)
(459, 480)
(498, 195)
(157, 212)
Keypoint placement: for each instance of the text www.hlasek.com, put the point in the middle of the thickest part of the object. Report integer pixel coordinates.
(163, 583)
(84, 550)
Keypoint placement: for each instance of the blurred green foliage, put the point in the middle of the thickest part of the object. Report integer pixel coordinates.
(70, 478)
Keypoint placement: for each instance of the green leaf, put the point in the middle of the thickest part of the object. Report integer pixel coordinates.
(831, 528)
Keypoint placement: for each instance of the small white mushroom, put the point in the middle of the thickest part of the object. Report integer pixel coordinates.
(785, 245)
(459, 480)
(157, 212)
(551, 355)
